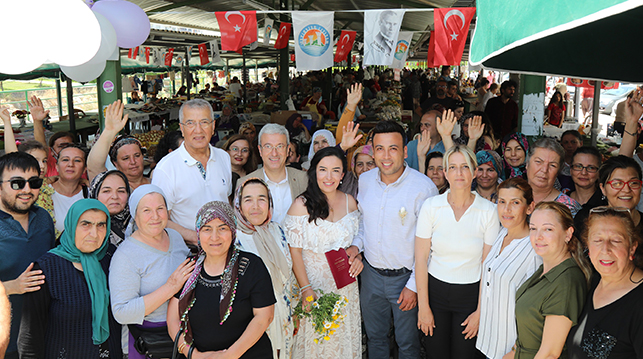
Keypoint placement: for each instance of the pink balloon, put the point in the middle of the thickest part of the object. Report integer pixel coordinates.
(130, 21)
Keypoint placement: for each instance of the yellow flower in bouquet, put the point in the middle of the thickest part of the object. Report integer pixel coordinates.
(325, 314)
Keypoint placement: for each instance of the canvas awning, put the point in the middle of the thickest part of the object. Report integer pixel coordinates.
(590, 39)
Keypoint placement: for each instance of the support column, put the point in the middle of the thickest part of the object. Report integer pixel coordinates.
(244, 78)
(109, 88)
(187, 71)
(595, 113)
(70, 108)
(59, 96)
(284, 64)
(529, 85)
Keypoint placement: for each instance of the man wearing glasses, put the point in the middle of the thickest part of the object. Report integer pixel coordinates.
(440, 102)
(196, 173)
(26, 233)
(285, 183)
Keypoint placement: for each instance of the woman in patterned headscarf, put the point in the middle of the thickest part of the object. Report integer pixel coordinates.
(237, 280)
(112, 189)
(488, 175)
(257, 234)
(514, 150)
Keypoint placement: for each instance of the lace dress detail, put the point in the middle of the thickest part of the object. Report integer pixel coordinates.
(315, 240)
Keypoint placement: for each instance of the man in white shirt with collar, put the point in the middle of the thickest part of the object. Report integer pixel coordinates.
(285, 183)
(390, 198)
(196, 173)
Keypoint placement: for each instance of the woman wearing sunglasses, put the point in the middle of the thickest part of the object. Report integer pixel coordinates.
(620, 183)
(610, 324)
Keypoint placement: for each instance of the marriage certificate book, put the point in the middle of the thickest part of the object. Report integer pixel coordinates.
(338, 263)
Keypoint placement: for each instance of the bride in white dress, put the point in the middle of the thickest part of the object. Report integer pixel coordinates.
(323, 219)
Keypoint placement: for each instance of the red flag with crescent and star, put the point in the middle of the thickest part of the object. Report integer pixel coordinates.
(168, 57)
(284, 35)
(203, 54)
(451, 30)
(147, 55)
(344, 45)
(238, 29)
(431, 53)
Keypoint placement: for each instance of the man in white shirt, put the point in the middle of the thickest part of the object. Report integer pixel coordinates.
(390, 198)
(285, 183)
(196, 173)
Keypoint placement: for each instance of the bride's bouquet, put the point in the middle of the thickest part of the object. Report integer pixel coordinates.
(325, 314)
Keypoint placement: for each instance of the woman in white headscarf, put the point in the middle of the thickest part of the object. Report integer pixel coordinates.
(321, 139)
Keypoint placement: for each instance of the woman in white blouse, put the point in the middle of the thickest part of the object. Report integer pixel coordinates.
(510, 262)
(454, 233)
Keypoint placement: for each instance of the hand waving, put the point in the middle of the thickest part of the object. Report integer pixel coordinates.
(114, 119)
(446, 124)
(476, 128)
(424, 144)
(353, 96)
(37, 109)
(6, 117)
(350, 136)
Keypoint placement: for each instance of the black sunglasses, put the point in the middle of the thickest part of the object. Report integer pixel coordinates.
(19, 183)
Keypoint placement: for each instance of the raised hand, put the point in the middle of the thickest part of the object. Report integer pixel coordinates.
(6, 117)
(114, 119)
(353, 96)
(424, 144)
(37, 110)
(476, 128)
(350, 136)
(446, 124)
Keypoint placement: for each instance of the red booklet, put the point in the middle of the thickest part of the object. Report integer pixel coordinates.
(338, 263)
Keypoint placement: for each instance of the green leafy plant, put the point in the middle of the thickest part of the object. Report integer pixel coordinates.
(325, 313)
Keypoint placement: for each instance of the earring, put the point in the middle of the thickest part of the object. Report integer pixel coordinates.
(603, 197)
(340, 182)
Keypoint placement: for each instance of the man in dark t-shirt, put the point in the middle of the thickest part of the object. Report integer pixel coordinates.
(503, 110)
(440, 102)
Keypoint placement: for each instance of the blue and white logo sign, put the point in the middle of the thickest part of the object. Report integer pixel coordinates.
(400, 49)
(314, 40)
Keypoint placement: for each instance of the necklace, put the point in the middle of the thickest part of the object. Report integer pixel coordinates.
(631, 274)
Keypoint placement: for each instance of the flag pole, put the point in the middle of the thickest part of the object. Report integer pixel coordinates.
(348, 11)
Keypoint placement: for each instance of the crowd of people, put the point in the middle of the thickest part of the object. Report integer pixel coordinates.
(476, 245)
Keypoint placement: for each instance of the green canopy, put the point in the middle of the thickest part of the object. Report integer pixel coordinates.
(590, 39)
(130, 66)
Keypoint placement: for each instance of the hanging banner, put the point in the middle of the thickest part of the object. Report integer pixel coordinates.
(381, 28)
(147, 55)
(402, 49)
(451, 30)
(238, 29)
(188, 54)
(590, 83)
(284, 35)
(168, 57)
(214, 51)
(203, 54)
(344, 45)
(313, 39)
(267, 30)
(292, 57)
(431, 53)
(158, 57)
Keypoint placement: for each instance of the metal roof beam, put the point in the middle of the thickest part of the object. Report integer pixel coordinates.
(306, 5)
(176, 5)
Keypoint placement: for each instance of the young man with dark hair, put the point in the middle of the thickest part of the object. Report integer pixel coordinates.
(503, 110)
(27, 233)
(390, 197)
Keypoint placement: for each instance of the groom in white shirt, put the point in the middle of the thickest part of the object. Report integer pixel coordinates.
(390, 198)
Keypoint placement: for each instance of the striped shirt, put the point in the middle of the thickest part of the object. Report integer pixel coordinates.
(503, 273)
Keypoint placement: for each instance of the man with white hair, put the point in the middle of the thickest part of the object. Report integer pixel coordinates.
(196, 173)
(285, 183)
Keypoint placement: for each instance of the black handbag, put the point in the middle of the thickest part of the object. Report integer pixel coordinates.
(154, 343)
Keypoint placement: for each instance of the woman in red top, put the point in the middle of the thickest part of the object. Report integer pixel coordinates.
(556, 110)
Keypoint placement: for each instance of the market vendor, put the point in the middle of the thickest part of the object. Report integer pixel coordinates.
(316, 104)
(125, 152)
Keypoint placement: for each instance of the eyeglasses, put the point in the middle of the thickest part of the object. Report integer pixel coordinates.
(618, 184)
(192, 124)
(424, 125)
(19, 183)
(242, 150)
(268, 147)
(579, 168)
(603, 209)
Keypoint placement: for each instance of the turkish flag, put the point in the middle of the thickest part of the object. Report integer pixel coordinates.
(147, 55)
(292, 57)
(203, 54)
(168, 57)
(238, 29)
(135, 54)
(284, 35)
(451, 30)
(431, 52)
(344, 45)
(130, 53)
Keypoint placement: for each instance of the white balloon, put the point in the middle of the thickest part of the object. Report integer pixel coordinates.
(85, 72)
(116, 54)
(75, 37)
(22, 42)
(108, 39)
